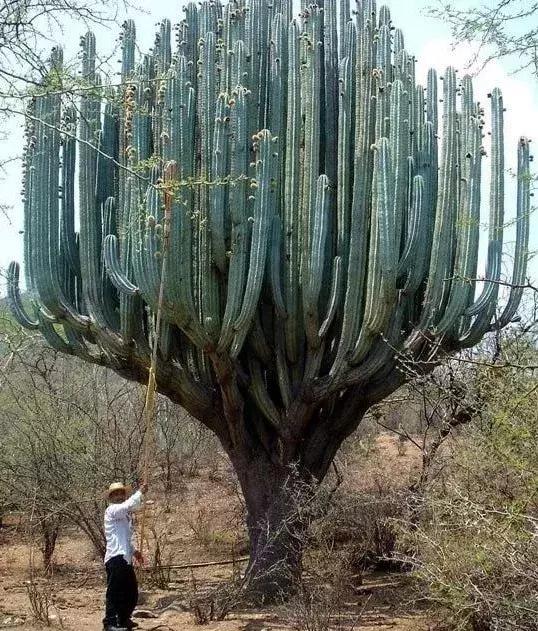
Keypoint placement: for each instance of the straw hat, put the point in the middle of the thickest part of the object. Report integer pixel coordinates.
(116, 486)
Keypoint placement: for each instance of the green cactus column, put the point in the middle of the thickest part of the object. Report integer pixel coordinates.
(324, 223)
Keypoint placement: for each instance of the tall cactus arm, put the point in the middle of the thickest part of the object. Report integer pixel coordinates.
(381, 276)
(291, 204)
(521, 255)
(311, 151)
(240, 226)
(399, 149)
(94, 178)
(432, 99)
(312, 281)
(217, 191)
(467, 236)
(344, 20)
(182, 220)
(416, 237)
(274, 265)
(114, 269)
(383, 79)
(14, 298)
(330, 110)
(496, 196)
(363, 160)
(345, 144)
(175, 244)
(334, 296)
(146, 233)
(162, 48)
(262, 221)
(67, 209)
(277, 125)
(128, 49)
(442, 248)
(398, 41)
(208, 281)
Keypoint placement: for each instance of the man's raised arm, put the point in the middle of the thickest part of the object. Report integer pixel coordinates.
(119, 511)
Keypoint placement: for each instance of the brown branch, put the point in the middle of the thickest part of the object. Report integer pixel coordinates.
(188, 566)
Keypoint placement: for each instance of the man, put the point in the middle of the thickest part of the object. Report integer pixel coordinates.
(122, 588)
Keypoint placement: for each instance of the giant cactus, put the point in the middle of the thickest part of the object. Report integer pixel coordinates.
(318, 217)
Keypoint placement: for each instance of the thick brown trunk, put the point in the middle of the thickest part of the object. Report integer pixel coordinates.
(275, 495)
(278, 474)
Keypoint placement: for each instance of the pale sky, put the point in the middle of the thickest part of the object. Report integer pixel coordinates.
(427, 38)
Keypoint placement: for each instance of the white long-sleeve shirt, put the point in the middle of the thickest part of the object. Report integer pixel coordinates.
(119, 527)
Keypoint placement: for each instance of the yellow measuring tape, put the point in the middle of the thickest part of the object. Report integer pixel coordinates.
(151, 388)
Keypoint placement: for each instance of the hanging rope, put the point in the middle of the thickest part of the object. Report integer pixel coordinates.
(151, 388)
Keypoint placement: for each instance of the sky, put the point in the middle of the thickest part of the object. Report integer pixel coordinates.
(429, 39)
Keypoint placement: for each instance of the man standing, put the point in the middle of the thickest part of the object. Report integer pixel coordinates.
(122, 588)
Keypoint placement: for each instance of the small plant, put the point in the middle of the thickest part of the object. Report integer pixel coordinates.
(201, 527)
(320, 601)
(215, 604)
(38, 592)
(402, 445)
(313, 609)
(159, 572)
(39, 602)
(41, 599)
(367, 445)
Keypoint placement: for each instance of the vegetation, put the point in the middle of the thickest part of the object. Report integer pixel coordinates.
(507, 29)
(67, 431)
(476, 543)
(278, 178)
(462, 517)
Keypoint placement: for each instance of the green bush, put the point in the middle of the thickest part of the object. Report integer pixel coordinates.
(476, 541)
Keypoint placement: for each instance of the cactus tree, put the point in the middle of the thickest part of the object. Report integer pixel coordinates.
(317, 215)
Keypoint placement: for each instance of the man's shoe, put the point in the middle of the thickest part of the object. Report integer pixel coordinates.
(114, 628)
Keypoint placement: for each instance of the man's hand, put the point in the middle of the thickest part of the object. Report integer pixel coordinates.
(137, 555)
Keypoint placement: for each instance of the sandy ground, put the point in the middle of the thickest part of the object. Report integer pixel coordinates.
(201, 526)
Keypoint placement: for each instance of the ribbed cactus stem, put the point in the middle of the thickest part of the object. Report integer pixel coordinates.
(323, 215)
(522, 234)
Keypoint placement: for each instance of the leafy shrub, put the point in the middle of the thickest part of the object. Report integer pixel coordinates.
(476, 543)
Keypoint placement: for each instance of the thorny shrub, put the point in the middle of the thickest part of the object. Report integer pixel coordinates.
(476, 542)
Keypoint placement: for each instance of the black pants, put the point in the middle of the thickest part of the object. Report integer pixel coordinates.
(121, 592)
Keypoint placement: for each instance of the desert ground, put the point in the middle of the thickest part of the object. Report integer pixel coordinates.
(200, 523)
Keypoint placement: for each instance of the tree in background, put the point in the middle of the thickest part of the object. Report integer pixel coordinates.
(280, 181)
(504, 29)
(25, 26)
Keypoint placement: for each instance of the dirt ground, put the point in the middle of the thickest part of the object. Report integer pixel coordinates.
(200, 525)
